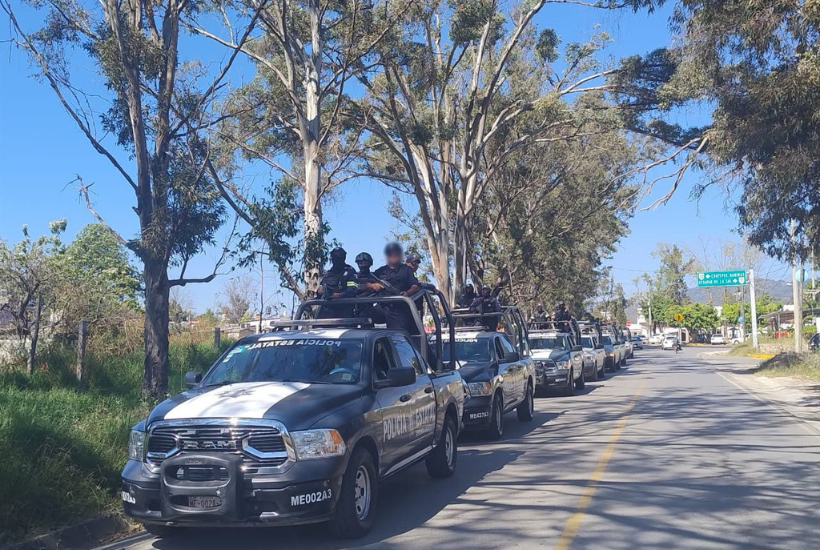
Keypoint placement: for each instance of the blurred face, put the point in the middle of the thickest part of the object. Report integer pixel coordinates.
(363, 264)
(485, 291)
(394, 258)
(414, 265)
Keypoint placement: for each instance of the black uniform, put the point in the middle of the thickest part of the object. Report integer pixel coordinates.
(483, 305)
(467, 299)
(338, 280)
(563, 317)
(401, 279)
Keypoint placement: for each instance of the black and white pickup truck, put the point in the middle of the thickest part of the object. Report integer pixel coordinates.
(295, 426)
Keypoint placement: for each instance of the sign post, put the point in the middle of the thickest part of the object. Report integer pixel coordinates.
(754, 306)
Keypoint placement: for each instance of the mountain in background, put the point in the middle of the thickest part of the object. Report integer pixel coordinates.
(779, 290)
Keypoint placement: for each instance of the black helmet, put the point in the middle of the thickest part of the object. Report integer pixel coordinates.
(338, 252)
(364, 257)
(469, 287)
(485, 287)
(561, 304)
(393, 249)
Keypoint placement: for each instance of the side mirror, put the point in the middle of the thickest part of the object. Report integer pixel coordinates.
(512, 356)
(192, 379)
(397, 378)
(577, 348)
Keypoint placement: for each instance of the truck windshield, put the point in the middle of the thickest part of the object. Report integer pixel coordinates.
(311, 360)
(547, 342)
(469, 349)
(586, 342)
(608, 340)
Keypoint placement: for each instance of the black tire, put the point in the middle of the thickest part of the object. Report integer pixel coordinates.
(353, 517)
(162, 531)
(569, 389)
(602, 373)
(594, 373)
(526, 410)
(444, 458)
(618, 364)
(581, 382)
(496, 427)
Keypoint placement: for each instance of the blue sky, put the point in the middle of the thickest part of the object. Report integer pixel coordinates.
(42, 151)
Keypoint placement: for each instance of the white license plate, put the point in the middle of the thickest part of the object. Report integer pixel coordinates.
(204, 503)
(474, 416)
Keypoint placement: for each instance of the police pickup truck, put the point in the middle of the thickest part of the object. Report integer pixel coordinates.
(559, 361)
(296, 426)
(499, 379)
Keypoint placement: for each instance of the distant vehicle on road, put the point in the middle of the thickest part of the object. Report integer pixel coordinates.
(614, 353)
(559, 361)
(499, 379)
(656, 339)
(594, 357)
(669, 343)
(717, 340)
(637, 343)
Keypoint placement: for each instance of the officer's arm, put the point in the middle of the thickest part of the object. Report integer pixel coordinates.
(412, 283)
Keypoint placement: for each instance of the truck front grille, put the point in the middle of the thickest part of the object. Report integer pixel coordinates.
(263, 447)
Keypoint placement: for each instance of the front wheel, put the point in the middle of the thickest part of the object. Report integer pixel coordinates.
(569, 389)
(526, 410)
(602, 372)
(442, 461)
(581, 382)
(356, 507)
(594, 373)
(496, 429)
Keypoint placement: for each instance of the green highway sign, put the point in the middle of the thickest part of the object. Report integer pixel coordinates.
(722, 278)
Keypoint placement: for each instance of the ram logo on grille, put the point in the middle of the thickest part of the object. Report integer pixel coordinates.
(215, 445)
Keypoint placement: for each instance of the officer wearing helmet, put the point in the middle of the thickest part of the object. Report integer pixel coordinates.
(364, 261)
(396, 277)
(339, 282)
(562, 316)
(468, 296)
(539, 317)
(484, 304)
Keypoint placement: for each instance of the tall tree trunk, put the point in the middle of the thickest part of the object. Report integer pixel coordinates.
(313, 222)
(157, 297)
(35, 335)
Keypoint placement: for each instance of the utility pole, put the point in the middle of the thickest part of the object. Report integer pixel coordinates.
(753, 306)
(797, 295)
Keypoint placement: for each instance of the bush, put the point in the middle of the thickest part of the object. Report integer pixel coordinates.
(62, 448)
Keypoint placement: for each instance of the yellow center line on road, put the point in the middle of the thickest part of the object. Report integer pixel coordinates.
(574, 522)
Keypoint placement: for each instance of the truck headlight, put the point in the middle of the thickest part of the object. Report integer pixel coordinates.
(563, 365)
(480, 388)
(318, 444)
(136, 446)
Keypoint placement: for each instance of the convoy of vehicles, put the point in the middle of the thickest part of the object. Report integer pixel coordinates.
(303, 423)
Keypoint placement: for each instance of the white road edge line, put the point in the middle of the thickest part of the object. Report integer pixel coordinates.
(810, 425)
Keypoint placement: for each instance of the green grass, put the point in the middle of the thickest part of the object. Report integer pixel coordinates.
(741, 350)
(804, 366)
(63, 449)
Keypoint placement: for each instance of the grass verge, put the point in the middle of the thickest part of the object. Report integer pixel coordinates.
(63, 449)
(803, 366)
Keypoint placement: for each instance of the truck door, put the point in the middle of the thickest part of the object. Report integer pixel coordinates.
(395, 418)
(513, 372)
(420, 398)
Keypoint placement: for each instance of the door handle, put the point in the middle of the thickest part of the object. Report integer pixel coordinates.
(405, 398)
(428, 389)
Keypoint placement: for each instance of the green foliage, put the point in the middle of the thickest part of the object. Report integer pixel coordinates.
(547, 45)
(63, 450)
(764, 304)
(670, 279)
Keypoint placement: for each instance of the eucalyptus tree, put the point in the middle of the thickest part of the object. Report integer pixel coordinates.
(155, 101)
(453, 82)
(290, 118)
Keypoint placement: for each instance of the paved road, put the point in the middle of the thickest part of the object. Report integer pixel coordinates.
(667, 454)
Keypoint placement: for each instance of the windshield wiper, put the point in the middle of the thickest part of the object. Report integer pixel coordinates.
(222, 383)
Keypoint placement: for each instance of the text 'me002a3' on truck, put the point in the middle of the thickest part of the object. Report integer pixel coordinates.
(296, 426)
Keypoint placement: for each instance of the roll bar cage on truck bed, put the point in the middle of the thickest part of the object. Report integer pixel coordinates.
(513, 324)
(436, 306)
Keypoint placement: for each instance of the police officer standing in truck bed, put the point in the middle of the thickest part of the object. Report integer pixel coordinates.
(339, 282)
(401, 279)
